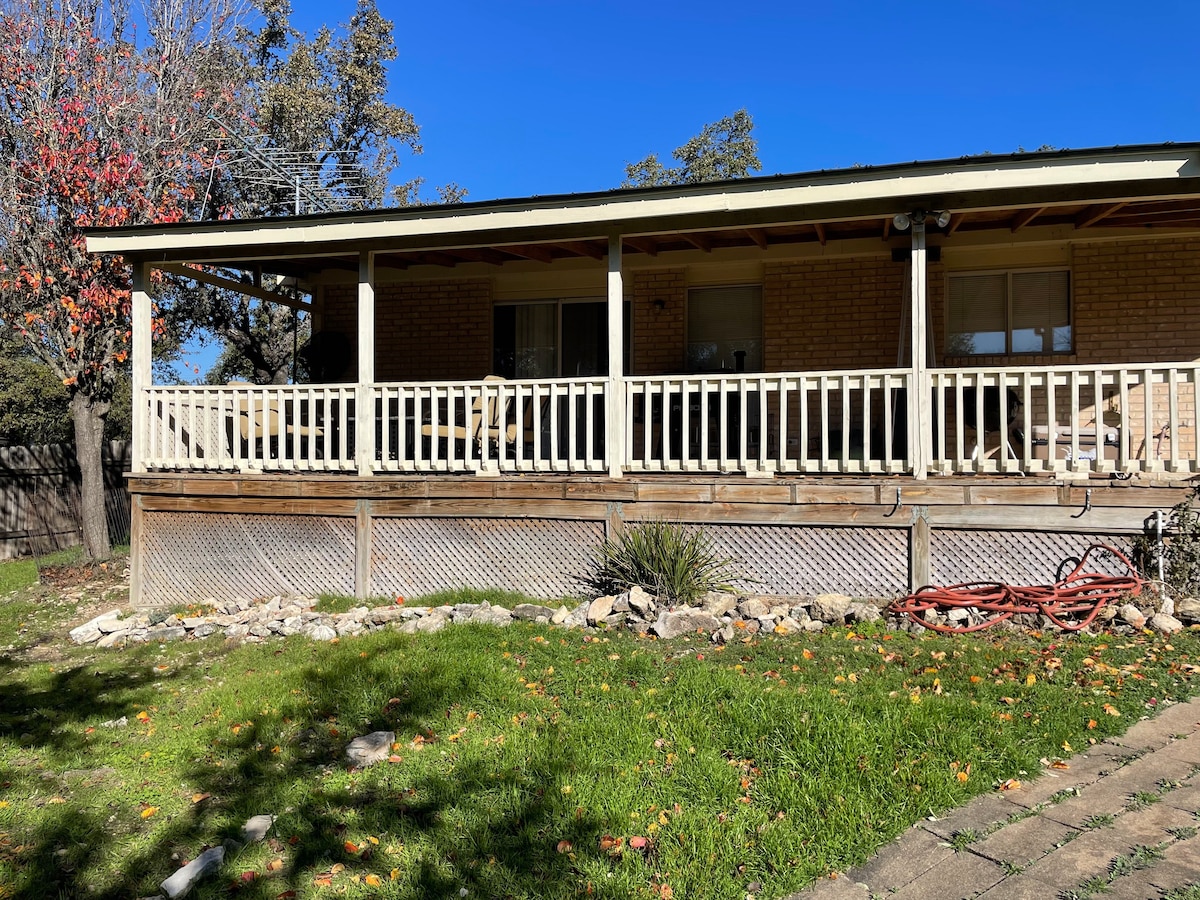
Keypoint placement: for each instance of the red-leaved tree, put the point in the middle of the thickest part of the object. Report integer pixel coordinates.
(99, 126)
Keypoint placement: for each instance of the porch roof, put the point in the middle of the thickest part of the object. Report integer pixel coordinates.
(1122, 187)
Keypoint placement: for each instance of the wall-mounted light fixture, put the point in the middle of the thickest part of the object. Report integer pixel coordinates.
(902, 221)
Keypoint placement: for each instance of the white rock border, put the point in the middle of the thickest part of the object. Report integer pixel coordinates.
(723, 617)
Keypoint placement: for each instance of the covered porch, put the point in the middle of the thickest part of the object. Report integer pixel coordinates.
(937, 353)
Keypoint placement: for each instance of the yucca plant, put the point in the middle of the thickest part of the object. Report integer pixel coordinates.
(665, 558)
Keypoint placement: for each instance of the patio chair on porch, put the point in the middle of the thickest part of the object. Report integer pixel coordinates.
(483, 422)
(271, 423)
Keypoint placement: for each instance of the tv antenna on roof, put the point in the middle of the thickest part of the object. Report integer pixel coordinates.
(308, 175)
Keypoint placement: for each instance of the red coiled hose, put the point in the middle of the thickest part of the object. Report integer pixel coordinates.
(1071, 604)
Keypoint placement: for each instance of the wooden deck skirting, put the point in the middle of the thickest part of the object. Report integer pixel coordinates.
(949, 506)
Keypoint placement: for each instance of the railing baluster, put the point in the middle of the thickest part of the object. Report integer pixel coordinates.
(1148, 418)
(1173, 414)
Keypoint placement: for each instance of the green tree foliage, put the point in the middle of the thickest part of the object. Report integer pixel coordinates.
(101, 124)
(322, 103)
(35, 407)
(722, 150)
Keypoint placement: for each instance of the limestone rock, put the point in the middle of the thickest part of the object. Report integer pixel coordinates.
(115, 639)
(621, 603)
(89, 632)
(599, 608)
(788, 625)
(1132, 616)
(673, 624)
(831, 608)
(864, 612)
(1165, 624)
(717, 604)
(370, 748)
(560, 615)
(383, 615)
(812, 626)
(753, 608)
(530, 611)
(256, 828)
(1188, 609)
(319, 632)
(434, 622)
(170, 633)
(492, 615)
(577, 617)
(641, 604)
(185, 878)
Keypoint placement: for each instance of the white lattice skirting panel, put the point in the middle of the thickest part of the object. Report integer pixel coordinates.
(540, 557)
(785, 559)
(1016, 557)
(192, 556)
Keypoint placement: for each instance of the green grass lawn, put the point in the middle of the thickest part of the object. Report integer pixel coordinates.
(533, 762)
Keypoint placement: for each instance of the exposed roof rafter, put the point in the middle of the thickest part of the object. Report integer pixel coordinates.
(1094, 214)
(582, 248)
(645, 245)
(1025, 216)
(820, 230)
(758, 236)
(533, 252)
(229, 284)
(698, 241)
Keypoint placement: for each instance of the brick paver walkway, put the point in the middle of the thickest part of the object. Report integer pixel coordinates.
(1086, 831)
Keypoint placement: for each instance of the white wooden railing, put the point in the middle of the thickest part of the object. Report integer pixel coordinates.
(853, 422)
(1072, 420)
(249, 427)
(1064, 420)
(491, 426)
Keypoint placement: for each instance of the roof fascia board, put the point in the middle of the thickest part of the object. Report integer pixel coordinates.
(1160, 174)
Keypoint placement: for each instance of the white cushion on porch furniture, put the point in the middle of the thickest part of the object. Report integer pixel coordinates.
(482, 425)
(1062, 434)
(275, 425)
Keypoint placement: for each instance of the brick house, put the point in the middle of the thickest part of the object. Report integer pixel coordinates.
(858, 379)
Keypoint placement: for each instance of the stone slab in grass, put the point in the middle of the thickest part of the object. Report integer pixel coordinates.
(1020, 887)
(979, 816)
(1084, 858)
(902, 861)
(1023, 842)
(185, 878)
(963, 876)
(370, 748)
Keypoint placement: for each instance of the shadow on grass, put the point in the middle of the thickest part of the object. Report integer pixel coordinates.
(487, 825)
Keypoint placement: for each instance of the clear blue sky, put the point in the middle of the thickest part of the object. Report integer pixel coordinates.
(520, 97)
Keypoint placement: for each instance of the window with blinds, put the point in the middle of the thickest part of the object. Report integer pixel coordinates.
(725, 329)
(997, 313)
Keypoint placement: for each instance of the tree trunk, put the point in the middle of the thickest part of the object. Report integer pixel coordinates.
(89, 418)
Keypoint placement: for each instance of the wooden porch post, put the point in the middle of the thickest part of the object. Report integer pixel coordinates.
(614, 442)
(142, 313)
(364, 415)
(920, 404)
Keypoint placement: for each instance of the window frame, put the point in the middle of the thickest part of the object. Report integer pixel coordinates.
(687, 325)
(559, 303)
(1008, 273)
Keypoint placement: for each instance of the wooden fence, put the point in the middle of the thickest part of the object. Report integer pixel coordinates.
(39, 498)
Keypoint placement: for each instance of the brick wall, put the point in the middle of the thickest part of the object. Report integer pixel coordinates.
(1137, 301)
(835, 313)
(423, 331)
(659, 335)
(433, 330)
